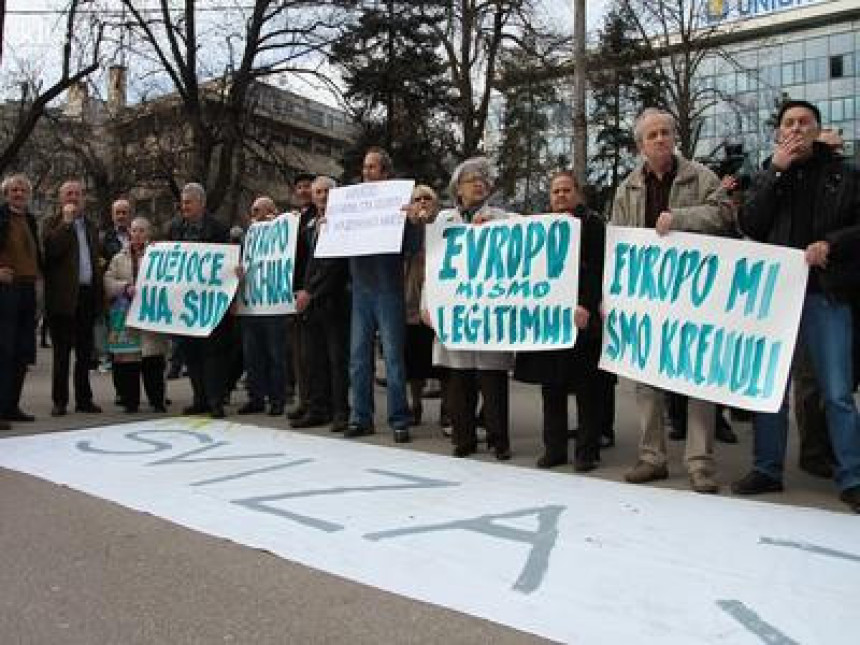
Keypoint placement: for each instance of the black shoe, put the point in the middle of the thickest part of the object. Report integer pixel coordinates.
(297, 412)
(251, 407)
(276, 409)
(584, 465)
(401, 435)
(503, 454)
(195, 409)
(309, 421)
(817, 468)
(218, 412)
(465, 451)
(18, 415)
(130, 409)
(549, 461)
(58, 410)
(851, 496)
(89, 407)
(724, 432)
(5, 425)
(756, 483)
(173, 374)
(677, 435)
(159, 407)
(338, 425)
(357, 430)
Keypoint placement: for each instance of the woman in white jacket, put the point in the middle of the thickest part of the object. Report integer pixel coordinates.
(149, 358)
(475, 371)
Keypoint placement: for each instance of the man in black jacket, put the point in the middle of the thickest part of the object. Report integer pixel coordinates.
(809, 199)
(20, 266)
(323, 302)
(206, 358)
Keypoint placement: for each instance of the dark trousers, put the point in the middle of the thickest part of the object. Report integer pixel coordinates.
(208, 362)
(462, 394)
(128, 376)
(17, 341)
(301, 368)
(326, 347)
(593, 390)
(73, 332)
(263, 346)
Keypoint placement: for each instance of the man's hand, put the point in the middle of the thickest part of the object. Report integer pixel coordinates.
(480, 219)
(130, 290)
(70, 212)
(816, 254)
(6, 275)
(425, 318)
(303, 299)
(580, 317)
(240, 271)
(790, 148)
(664, 223)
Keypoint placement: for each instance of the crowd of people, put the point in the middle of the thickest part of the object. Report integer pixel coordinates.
(323, 357)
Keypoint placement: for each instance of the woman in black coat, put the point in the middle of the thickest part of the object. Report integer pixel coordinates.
(559, 372)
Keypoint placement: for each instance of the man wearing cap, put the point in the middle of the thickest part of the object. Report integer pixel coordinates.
(809, 199)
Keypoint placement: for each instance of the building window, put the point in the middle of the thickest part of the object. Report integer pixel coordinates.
(837, 67)
(842, 109)
(792, 73)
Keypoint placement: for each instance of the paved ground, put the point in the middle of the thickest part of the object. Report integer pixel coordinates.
(74, 569)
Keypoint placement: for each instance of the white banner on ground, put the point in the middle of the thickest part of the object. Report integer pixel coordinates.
(570, 558)
(709, 317)
(268, 257)
(184, 288)
(509, 284)
(365, 219)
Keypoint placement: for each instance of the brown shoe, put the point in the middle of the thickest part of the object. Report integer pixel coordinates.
(703, 482)
(643, 472)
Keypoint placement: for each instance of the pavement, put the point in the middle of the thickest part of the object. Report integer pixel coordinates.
(76, 569)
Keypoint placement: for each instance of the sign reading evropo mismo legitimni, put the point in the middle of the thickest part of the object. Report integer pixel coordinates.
(509, 284)
(184, 288)
(710, 317)
(268, 258)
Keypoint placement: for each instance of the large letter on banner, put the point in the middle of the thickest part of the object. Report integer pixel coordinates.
(510, 284)
(364, 219)
(709, 317)
(268, 257)
(184, 288)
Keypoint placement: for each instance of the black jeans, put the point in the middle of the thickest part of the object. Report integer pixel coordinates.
(128, 381)
(462, 392)
(73, 332)
(326, 351)
(17, 340)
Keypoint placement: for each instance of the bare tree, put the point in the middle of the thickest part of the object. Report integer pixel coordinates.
(83, 36)
(676, 41)
(247, 42)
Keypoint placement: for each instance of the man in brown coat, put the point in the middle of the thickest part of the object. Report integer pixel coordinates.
(73, 296)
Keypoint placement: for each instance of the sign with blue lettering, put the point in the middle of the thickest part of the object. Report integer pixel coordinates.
(509, 284)
(710, 317)
(365, 219)
(184, 288)
(716, 11)
(268, 257)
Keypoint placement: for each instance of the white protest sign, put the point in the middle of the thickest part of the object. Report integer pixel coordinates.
(509, 284)
(365, 219)
(268, 257)
(710, 317)
(184, 288)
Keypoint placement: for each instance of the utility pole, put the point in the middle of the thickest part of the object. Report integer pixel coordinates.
(2, 25)
(580, 124)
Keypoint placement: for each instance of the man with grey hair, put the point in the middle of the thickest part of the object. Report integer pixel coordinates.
(74, 296)
(20, 266)
(378, 305)
(668, 193)
(206, 358)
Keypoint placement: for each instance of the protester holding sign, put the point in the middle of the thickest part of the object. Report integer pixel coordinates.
(377, 305)
(670, 193)
(264, 338)
(474, 371)
(140, 352)
(561, 371)
(809, 199)
(206, 358)
(323, 303)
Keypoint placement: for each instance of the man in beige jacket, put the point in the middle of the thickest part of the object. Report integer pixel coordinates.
(670, 193)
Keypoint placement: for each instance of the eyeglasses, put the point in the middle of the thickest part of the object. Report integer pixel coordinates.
(423, 198)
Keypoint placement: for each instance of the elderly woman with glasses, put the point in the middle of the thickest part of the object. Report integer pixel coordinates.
(471, 372)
